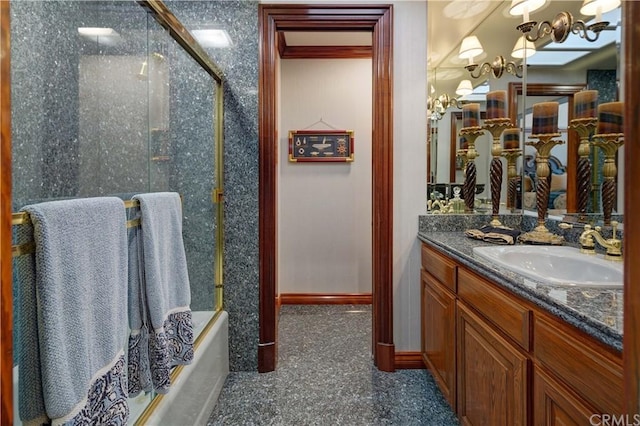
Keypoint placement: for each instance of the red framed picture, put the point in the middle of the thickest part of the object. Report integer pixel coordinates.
(320, 146)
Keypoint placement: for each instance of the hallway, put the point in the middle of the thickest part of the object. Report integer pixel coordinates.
(325, 376)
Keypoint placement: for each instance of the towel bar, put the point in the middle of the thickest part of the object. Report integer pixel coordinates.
(23, 218)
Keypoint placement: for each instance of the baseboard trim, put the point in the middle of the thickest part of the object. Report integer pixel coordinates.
(385, 357)
(267, 357)
(325, 298)
(409, 361)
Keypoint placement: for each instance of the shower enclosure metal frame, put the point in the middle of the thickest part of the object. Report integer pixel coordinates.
(159, 11)
(181, 35)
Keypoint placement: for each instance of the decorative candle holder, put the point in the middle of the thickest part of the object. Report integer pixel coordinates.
(496, 126)
(512, 174)
(609, 144)
(462, 154)
(585, 127)
(470, 172)
(540, 234)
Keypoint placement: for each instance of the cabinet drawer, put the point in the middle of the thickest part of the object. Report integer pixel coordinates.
(595, 374)
(507, 314)
(439, 266)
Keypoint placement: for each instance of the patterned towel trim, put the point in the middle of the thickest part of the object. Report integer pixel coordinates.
(106, 401)
(169, 346)
(138, 362)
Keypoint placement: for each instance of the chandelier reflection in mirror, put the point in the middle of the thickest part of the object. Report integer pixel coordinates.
(563, 24)
(471, 48)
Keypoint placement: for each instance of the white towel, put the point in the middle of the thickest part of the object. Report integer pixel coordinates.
(161, 295)
(73, 316)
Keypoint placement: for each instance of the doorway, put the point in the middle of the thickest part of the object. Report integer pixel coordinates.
(378, 20)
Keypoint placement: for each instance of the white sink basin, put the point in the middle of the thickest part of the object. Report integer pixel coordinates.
(556, 265)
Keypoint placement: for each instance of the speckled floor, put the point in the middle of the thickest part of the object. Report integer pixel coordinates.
(325, 376)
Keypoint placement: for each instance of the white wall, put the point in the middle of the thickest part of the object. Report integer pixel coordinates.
(410, 166)
(324, 212)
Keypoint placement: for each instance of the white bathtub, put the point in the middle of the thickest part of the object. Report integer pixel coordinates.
(195, 391)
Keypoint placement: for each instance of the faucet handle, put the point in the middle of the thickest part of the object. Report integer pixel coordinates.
(614, 225)
(564, 225)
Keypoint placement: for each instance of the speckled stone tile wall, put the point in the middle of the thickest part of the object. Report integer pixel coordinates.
(80, 133)
(572, 235)
(239, 64)
(462, 222)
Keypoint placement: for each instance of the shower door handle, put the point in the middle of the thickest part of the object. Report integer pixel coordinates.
(217, 196)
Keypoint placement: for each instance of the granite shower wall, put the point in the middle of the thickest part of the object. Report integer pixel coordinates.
(239, 63)
(89, 120)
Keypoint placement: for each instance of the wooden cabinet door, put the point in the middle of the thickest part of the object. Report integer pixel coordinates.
(555, 405)
(492, 375)
(438, 335)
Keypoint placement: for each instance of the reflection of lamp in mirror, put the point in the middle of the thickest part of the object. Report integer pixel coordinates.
(464, 88)
(497, 122)
(471, 48)
(523, 48)
(563, 23)
(511, 152)
(471, 130)
(544, 132)
(439, 105)
(609, 138)
(584, 123)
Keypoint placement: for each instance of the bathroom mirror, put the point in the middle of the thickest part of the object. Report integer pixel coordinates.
(576, 63)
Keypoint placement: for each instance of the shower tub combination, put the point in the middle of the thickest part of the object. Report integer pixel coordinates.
(117, 100)
(194, 390)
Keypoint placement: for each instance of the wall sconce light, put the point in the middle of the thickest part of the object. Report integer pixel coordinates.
(439, 105)
(523, 48)
(471, 47)
(563, 23)
(464, 88)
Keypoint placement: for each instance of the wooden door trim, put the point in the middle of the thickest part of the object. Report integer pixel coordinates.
(6, 298)
(321, 52)
(378, 20)
(631, 347)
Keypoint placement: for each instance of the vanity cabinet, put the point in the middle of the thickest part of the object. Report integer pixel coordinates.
(594, 374)
(555, 404)
(439, 327)
(492, 374)
(502, 360)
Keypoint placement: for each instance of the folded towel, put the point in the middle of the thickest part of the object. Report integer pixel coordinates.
(498, 238)
(494, 234)
(161, 296)
(72, 315)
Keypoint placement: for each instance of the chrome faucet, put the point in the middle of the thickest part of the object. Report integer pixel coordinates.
(590, 235)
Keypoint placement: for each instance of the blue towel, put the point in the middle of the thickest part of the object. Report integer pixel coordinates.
(72, 364)
(139, 372)
(160, 295)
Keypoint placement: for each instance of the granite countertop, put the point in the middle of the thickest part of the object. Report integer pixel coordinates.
(598, 312)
